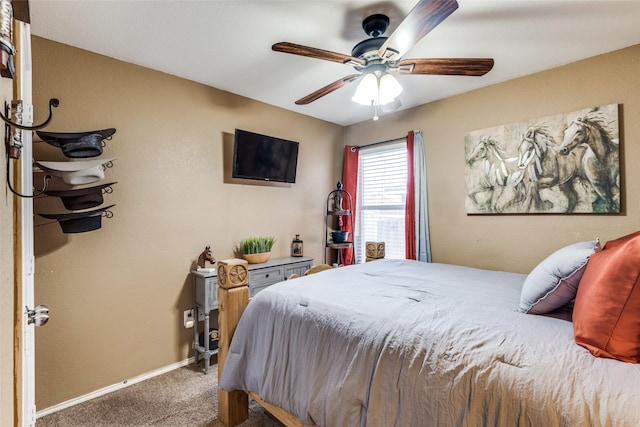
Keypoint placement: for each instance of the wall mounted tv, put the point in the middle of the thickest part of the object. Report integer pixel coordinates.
(264, 158)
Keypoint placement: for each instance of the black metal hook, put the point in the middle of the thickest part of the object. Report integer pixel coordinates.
(53, 103)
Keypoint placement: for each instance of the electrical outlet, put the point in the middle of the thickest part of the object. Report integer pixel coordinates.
(188, 319)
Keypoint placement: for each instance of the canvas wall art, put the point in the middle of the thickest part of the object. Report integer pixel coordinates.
(567, 163)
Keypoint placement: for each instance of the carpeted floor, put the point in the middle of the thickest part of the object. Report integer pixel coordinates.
(182, 397)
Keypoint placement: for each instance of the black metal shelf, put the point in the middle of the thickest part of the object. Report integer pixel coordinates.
(339, 206)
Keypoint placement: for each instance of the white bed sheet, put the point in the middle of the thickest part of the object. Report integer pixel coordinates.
(406, 343)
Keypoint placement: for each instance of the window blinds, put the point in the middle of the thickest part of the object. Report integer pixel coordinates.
(382, 184)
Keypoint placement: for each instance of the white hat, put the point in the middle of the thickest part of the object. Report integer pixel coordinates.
(76, 173)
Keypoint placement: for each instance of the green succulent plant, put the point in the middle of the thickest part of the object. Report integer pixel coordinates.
(256, 245)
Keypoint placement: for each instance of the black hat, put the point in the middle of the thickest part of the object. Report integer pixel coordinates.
(78, 144)
(79, 222)
(81, 198)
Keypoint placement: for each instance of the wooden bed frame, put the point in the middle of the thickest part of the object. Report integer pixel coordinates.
(233, 298)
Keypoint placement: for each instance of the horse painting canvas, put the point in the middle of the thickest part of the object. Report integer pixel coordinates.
(567, 163)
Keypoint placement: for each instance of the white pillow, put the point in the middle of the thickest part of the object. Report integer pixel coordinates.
(554, 282)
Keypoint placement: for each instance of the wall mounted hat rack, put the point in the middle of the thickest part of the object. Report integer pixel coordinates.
(75, 145)
(86, 167)
(16, 109)
(53, 103)
(13, 137)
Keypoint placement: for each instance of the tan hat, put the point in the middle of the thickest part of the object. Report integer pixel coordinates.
(78, 172)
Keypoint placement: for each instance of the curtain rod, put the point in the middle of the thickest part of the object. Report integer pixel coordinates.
(403, 138)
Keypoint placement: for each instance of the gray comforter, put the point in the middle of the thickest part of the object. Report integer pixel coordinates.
(405, 343)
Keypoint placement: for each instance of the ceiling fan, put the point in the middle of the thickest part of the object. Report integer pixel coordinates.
(380, 56)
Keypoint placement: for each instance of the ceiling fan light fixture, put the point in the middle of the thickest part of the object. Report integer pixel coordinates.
(377, 89)
(367, 90)
(389, 89)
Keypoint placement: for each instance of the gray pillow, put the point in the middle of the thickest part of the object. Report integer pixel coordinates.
(554, 282)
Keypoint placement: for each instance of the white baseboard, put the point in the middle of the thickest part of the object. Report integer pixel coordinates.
(114, 387)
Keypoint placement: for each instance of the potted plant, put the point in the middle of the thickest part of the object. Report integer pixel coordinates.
(257, 249)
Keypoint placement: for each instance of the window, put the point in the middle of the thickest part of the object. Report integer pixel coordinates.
(382, 186)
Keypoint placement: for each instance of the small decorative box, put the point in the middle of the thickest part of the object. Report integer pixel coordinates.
(375, 250)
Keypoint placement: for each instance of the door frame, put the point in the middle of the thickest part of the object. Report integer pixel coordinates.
(24, 260)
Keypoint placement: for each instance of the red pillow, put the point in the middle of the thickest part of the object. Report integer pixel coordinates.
(621, 240)
(606, 314)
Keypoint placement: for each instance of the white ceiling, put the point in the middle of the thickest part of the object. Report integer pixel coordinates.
(227, 43)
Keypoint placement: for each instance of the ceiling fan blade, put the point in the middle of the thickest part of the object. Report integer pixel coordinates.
(424, 17)
(312, 52)
(327, 89)
(446, 66)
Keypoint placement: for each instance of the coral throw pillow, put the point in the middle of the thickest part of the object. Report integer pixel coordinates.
(606, 315)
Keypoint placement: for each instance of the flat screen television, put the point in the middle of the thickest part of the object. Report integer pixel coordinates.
(264, 158)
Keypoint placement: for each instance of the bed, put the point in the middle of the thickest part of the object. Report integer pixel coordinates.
(406, 343)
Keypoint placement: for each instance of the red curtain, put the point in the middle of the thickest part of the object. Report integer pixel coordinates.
(350, 184)
(410, 204)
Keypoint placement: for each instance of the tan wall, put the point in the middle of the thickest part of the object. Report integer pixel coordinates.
(7, 396)
(117, 294)
(512, 242)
